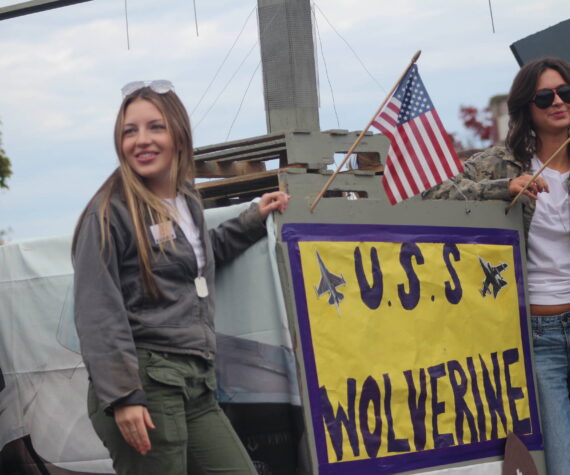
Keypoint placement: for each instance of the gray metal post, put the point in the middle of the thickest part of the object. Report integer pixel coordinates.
(288, 61)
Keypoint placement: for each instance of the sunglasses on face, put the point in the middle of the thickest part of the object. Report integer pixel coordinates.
(545, 97)
(160, 86)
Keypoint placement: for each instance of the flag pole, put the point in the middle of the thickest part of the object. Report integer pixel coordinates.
(535, 176)
(363, 132)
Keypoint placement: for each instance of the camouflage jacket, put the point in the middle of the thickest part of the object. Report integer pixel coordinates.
(486, 177)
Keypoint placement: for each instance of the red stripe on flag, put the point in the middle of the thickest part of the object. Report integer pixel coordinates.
(401, 159)
(392, 107)
(436, 145)
(387, 189)
(454, 157)
(411, 155)
(391, 183)
(450, 155)
(425, 152)
(433, 148)
(393, 176)
(385, 116)
(385, 123)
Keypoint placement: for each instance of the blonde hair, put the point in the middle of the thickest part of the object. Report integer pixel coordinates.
(143, 205)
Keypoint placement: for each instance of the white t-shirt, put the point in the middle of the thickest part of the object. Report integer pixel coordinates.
(548, 262)
(186, 223)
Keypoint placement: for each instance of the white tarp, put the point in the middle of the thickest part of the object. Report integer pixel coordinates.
(46, 382)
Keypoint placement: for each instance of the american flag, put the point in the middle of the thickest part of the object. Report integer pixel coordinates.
(421, 154)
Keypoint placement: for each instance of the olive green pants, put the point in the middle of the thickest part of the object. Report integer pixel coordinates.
(192, 435)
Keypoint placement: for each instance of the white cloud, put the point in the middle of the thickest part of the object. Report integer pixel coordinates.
(61, 72)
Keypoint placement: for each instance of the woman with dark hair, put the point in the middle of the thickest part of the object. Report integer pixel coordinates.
(539, 112)
(144, 297)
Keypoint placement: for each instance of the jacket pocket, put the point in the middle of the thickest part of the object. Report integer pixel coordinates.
(166, 376)
(165, 388)
(171, 308)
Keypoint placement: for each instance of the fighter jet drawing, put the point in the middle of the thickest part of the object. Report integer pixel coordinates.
(492, 278)
(328, 284)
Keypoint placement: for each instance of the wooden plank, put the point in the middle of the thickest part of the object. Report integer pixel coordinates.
(255, 157)
(346, 132)
(227, 169)
(239, 143)
(245, 187)
(239, 153)
(238, 180)
(336, 132)
(248, 194)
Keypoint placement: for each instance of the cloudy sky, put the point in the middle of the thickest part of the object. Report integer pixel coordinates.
(61, 72)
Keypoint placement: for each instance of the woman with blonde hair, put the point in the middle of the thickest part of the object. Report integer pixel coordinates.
(144, 297)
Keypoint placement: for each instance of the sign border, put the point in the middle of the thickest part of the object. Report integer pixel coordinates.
(293, 233)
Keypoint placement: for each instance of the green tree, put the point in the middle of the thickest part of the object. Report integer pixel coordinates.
(3, 236)
(5, 173)
(5, 166)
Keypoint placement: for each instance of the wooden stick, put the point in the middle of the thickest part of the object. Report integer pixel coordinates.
(361, 136)
(535, 176)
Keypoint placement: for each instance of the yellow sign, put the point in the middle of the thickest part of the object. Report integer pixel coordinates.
(417, 345)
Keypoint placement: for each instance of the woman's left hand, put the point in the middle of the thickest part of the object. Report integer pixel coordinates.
(275, 201)
(133, 422)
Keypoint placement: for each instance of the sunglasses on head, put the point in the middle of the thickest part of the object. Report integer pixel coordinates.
(545, 97)
(160, 86)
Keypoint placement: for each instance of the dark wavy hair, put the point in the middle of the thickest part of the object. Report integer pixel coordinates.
(521, 140)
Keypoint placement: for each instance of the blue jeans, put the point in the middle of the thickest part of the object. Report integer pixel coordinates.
(551, 339)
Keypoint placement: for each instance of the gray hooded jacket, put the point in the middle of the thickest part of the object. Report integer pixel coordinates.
(113, 314)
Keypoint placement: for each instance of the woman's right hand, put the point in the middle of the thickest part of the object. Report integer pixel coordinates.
(518, 183)
(133, 422)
